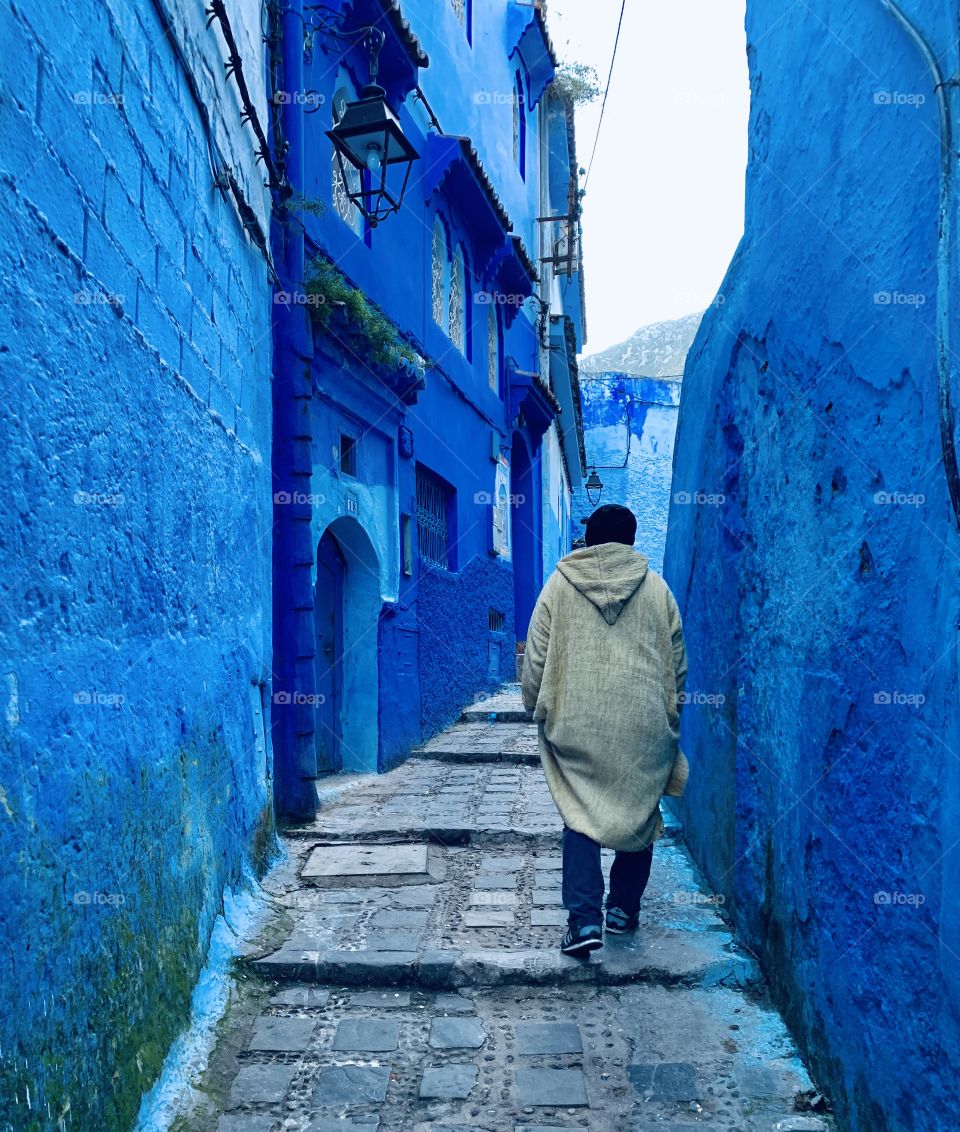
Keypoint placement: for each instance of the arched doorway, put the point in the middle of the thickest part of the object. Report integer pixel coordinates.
(348, 603)
(526, 571)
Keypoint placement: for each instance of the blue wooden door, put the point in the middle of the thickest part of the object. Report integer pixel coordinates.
(329, 660)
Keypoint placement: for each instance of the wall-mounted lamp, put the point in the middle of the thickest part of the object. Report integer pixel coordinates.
(594, 487)
(368, 138)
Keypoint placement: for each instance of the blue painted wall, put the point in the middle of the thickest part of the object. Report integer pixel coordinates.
(629, 424)
(435, 648)
(134, 618)
(819, 589)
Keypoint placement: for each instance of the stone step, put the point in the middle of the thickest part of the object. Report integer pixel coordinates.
(661, 956)
(480, 741)
(505, 706)
(480, 836)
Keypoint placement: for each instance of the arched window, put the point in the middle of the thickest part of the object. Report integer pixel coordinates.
(458, 290)
(519, 127)
(438, 271)
(342, 204)
(493, 350)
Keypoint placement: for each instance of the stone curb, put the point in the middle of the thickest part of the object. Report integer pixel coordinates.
(490, 836)
(447, 969)
(459, 755)
(498, 715)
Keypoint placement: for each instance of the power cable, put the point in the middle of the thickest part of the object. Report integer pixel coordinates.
(606, 91)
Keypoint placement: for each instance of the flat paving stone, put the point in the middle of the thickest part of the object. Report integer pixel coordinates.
(367, 1035)
(351, 1084)
(501, 864)
(247, 1122)
(457, 1033)
(548, 917)
(356, 1124)
(448, 1082)
(503, 899)
(546, 896)
(551, 1088)
(665, 1081)
(489, 918)
(301, 996)
(282, 1035)
(495, 880)
(390, 999)
(400, 918)
(262, 1084)
(359, 863)
(455, 1003)
(548, 1037)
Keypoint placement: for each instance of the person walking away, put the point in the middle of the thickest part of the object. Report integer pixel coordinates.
(603, 674)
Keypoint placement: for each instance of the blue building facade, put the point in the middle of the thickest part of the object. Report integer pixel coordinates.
(818, 578)
(629, 425)
(427, 442)
(135, 619)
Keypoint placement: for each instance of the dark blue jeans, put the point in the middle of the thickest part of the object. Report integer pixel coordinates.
(583, 879)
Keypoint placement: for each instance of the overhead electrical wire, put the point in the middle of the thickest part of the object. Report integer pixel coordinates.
(606, 91)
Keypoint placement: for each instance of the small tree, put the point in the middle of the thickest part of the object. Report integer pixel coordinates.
(578, 82)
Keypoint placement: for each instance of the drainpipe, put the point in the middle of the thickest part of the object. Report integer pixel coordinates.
(294, 633)
(944, 253)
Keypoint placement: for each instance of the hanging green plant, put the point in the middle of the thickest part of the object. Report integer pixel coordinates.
(330, 291)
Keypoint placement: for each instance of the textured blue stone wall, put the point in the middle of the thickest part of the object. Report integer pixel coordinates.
(136, 554)
(818, 579)
(629, 425)
(456, 662)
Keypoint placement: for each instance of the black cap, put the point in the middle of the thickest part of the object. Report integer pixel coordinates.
(611, 523)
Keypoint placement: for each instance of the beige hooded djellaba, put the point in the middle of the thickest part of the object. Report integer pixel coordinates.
(603, 672)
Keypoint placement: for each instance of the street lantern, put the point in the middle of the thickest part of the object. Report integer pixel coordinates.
(594, 486)
(368, 140)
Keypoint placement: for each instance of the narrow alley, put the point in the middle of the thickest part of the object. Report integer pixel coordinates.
(418, 987)
(462, 455)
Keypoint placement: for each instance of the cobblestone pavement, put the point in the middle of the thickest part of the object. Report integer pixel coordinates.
(419, 985)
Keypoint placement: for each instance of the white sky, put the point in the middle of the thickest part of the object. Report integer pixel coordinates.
(664, 207)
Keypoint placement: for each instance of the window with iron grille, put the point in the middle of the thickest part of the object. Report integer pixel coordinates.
(433, 508)
(495, 620)
(457, 302)
(438, 256)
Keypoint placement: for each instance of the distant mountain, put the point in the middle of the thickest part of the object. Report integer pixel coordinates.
(657, 350)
